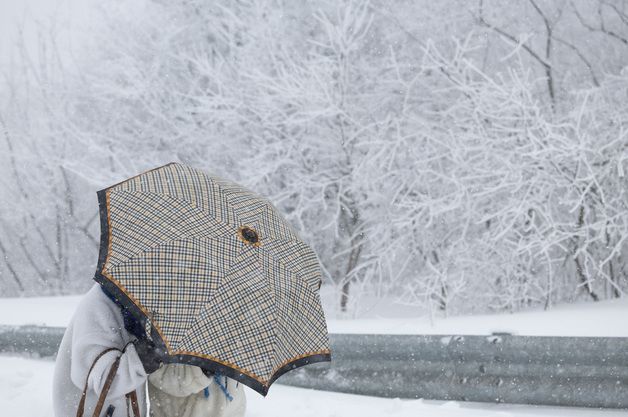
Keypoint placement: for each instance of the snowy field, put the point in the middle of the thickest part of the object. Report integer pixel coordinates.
(602, 319)
(22, 380)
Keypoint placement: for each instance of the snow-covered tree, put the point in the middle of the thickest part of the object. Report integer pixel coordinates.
(462, 156)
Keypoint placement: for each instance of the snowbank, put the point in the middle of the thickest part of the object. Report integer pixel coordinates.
(602, 319)
(42, 311)
(24, 380)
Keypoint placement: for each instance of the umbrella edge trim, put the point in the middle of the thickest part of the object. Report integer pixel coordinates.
(322, 356)
(236, 374)
(108, 281)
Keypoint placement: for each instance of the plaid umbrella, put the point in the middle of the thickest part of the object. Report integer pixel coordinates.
(215, 272)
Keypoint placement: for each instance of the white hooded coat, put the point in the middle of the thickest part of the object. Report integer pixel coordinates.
(96, 325)
(177, 390)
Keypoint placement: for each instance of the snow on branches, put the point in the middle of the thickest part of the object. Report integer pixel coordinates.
(437, 153)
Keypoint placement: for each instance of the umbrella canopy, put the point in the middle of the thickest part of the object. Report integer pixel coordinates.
(222, 280)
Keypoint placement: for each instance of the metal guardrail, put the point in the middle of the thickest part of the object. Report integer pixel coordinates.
(562, 371)
(35, 340)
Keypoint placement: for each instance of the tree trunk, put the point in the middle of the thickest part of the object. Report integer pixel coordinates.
(579, 270)
(354, 256)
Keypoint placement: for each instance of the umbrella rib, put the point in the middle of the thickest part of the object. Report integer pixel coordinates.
(192, 205)
(270, 213)
(270, 253)
(222, 277)
(111, 265)
(161, 194)
(228, 193)
(276, 313)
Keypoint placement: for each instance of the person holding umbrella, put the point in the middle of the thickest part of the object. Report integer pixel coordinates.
(178, 390)
(100, 324)
(198, 273)
(100, 354)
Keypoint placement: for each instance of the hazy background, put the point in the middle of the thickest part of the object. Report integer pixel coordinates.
(456, 156)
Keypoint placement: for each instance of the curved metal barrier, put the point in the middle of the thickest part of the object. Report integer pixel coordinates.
(35, 340)
(563, 371)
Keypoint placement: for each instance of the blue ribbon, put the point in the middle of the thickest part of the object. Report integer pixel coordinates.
(223, 388)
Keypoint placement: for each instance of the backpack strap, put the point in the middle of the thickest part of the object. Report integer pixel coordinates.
(101, 400)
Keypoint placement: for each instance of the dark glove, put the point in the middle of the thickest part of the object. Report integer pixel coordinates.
(150, 355)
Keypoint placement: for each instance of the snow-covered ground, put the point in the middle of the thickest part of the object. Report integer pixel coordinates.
(42, 311)
(25, 391)
(602, 319)
(22, 379)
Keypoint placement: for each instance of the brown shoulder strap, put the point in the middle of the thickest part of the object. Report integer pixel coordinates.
(132, 397)
(81, 406)
(105, 388)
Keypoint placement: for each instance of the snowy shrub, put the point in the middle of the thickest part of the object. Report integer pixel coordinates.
(443, 154)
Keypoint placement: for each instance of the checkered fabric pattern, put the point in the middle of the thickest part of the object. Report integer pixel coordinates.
(174, 249)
